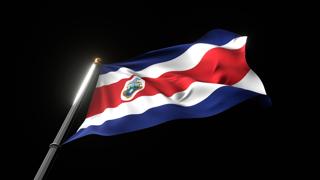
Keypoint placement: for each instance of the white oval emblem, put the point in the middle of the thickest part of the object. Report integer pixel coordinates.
(132, 87)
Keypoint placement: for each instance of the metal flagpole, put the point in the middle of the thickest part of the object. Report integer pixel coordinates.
(56, 143)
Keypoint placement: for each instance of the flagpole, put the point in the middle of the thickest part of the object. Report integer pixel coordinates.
(53, 147)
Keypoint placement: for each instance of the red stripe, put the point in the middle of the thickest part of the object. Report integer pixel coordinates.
(218, 65)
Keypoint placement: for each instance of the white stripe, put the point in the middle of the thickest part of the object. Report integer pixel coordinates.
(189, 59)
(195, 93)
(251, 82)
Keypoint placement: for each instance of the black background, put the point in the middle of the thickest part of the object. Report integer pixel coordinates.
(57, 44)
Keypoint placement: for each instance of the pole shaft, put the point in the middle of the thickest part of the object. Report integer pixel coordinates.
(52, 149)
(56, 143)
(45, 164)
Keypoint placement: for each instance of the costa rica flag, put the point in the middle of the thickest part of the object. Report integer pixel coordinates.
(195, 80)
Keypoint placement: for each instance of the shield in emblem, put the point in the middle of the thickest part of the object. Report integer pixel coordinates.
(132, 87)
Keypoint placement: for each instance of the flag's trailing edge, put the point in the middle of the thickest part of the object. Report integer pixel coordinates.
(194, 80)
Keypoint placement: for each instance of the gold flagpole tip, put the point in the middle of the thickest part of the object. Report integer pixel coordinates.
(97, 60)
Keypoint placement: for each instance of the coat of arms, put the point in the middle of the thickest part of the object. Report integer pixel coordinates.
(132, 87)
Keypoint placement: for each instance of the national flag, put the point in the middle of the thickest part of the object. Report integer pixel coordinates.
(193, 80)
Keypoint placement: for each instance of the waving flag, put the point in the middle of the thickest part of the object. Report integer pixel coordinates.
(194, 80)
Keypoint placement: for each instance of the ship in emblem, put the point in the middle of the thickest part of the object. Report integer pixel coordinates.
(132, 87)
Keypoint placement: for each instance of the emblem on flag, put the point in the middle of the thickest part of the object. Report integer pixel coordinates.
(132, 87)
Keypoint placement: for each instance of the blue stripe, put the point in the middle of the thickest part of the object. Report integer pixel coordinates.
(219, 101)
(216, 37)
